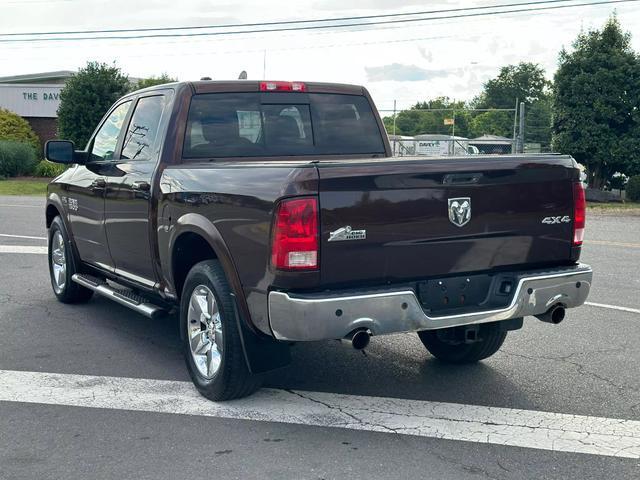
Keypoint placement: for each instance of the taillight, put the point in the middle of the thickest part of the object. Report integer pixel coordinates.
(282, 87)
(295, 235)
(579, 213)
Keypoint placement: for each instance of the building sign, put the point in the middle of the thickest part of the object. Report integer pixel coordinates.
(31, 100)
(431, 148)
(449, 121)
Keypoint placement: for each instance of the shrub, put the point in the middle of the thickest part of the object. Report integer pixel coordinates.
(48, 169)
(16, 159)
(14, 127)
(633, 189)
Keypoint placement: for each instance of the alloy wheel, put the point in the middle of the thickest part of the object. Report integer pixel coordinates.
(204, 331)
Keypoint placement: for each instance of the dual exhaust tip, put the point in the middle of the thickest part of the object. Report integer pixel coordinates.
(554, 315)
(358, 339)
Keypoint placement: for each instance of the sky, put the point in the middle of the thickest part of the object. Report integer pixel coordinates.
(405, 62)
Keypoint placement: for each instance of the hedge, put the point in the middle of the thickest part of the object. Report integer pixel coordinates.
(16, 159)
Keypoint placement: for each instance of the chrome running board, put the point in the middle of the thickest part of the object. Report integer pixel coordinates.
(122, 296)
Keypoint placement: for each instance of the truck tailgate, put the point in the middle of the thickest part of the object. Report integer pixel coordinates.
(403, 205)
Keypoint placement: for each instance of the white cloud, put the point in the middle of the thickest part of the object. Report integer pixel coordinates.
(446, 57)
(401, 73)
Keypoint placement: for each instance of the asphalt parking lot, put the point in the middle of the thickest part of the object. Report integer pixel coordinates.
(586, 366)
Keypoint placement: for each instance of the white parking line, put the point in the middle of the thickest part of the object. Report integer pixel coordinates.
(613, 307)
(22, 249)
(470, 423)
(25, 206)
(613, 244)
(22, 236)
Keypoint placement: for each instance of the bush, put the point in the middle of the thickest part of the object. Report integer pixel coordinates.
(16, 159)
(14, 127)
(633, 189)
(48, 169)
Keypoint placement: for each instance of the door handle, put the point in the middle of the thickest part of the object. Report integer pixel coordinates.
(98, 183)
(141, 186)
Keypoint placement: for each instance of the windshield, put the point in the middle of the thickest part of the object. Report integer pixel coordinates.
(247, 125)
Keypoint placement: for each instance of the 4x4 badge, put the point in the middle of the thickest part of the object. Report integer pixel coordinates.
(460, 211)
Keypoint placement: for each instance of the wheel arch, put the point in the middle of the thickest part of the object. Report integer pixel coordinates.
(195, 238)
(262, 353)
(53, 209)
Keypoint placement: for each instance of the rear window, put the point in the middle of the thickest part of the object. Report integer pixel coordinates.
(247, 125)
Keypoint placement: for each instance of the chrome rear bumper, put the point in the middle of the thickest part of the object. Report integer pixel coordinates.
(323, 316)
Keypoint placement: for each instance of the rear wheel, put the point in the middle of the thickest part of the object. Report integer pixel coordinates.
(448, 347)
(211, 340)
(62, 267)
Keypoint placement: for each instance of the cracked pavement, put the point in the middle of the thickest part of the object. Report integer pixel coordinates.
(586, 366)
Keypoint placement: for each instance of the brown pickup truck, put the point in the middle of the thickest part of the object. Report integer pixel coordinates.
(273, 212)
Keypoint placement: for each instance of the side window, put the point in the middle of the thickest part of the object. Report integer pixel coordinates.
(105, 141)
(140, 141)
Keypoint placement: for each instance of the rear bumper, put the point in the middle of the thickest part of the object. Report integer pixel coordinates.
(323, 316)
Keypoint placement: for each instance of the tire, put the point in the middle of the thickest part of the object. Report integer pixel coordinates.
(62, 266)
(491, 338)
(211, 342)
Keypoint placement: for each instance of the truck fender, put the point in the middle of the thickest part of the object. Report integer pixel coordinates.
(262, 353)
(54, 200)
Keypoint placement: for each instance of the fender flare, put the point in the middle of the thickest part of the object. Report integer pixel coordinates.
(262, 353)
(202, 226)
(54, 200)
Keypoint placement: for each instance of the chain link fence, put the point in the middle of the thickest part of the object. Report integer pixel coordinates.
(466, 131)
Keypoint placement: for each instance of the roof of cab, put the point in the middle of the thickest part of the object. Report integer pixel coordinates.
(213, 86)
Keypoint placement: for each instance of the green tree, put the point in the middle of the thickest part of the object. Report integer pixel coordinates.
(15, 128)
(429, 116)
(538, 122)
(596, 103)
(492, 123)
(152, 81)
(86, 98)
(525, 82)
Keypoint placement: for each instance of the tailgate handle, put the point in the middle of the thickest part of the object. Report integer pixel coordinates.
(461, 178)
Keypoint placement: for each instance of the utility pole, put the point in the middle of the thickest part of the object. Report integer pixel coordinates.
(453, 129)
(394, 127)
(521, 129)
(394, 117)
(515, 126)
(452, 144)
(264, 65)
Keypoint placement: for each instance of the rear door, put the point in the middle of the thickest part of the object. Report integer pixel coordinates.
(128, 207)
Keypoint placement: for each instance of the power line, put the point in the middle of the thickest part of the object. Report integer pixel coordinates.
(312, 27)
(287, 22)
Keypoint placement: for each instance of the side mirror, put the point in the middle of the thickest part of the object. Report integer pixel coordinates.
(61, 151)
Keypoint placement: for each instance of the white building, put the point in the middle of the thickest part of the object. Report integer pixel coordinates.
(36, 98)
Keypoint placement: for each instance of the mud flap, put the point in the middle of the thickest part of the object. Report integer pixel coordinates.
(261, 353)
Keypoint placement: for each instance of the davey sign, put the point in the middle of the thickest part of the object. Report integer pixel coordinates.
(31, 100)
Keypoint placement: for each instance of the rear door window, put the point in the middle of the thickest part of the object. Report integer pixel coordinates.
(249, 125)
(140, 142)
